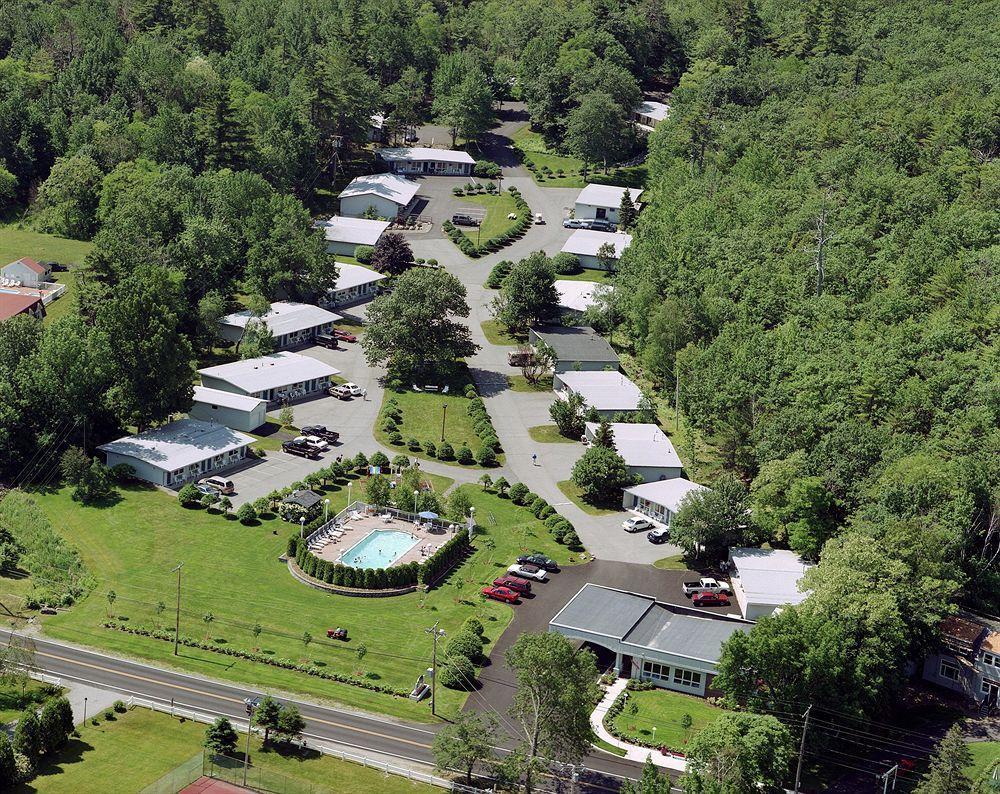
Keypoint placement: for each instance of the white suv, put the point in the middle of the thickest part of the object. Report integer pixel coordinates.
(636, 524)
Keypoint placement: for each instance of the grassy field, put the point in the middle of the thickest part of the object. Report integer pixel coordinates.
(674, 563)
(422, 414)
(496, 222)
(572, 493)
(138, 748)
(548, 434)
(496, 334)
(13, 701)
(664, 709)
(233, 572)
(983, 754)
(534, 152)
(522, 384)
(16, 243)
(597, 276)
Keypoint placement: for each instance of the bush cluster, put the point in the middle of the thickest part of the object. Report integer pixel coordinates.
(463, 653)
(561, 530)
(253, 656)
(486, 169)
(486, 455)
(499, 272)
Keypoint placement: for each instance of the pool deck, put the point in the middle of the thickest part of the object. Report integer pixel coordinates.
(356, 530)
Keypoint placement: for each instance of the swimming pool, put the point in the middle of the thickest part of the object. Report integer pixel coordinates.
(380, 548)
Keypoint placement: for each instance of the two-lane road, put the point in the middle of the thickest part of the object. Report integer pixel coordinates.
(366, 732)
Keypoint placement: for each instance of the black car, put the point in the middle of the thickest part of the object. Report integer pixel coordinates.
(296, 448)
(658, 536)
(320, 431)
(327, 340)
(540, 560)
(465, 220)
(601, 225)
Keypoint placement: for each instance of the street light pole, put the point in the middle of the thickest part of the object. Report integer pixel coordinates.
(435, 632)
(302, 526)
(349, 482)
(246, 751)
(444, 416)
(177, 616)
(415, 495)
(326, 510)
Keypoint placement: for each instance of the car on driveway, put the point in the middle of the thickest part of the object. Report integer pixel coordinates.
(220, 484)
(326, 340)
(658, 536)
(344, 336)
(207, 490)
(340, 392)
(539, 560)
(513, 583)
(710, 600)
(599, 225)
(294, 447)
(572, 223)
(504, 594)
(637, 524)
(465, 220)
(314, 442)
(331, 436)
(528, 571)
(353, 388)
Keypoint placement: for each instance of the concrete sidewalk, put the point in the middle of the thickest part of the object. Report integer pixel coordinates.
(632, 752)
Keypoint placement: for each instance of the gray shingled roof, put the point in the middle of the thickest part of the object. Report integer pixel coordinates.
(683, 635)
(601, 610)
(577, 344)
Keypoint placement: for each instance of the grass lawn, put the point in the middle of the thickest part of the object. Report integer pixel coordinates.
(573, 494)
(664, 709)
(233, 572)
(496, 222)
(983, 754)
(422, 414)
(13, 701)
(497, 335)
(535, 152)
(138, 748)
(269, 436)
(674, 563)
(597, 276)
(548, 434)
(522, 384)
(610, 748)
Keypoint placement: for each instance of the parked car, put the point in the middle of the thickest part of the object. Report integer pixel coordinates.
(220, 484)
(520, 358)
(539, 560)
(207, 490)
(600, 225)
(658, 536)
(332, 436)
(344, 336)
(353, 388)
(710, 600)
(572, 223)
(460, 219)
(313, 442)
(327, 340)
(539, 220)
(336, 634)
(705, 585)
(636, 524)
(513, 583)
(293, 447)
(340, 392)
(528, 571)
(504, 594)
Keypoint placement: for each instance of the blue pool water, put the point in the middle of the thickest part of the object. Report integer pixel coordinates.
(380, 548)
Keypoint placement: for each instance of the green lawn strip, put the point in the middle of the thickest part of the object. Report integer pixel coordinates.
(610, 748)
(271, 439)
(520, 383)
(233, 572)
(14, 700)
(548, 434)
(496, 334)
(422, 414)
(674, 563)
(664, 710)
(535, 152)
(597, 276)
(983, 754)
(572, 492)
(496, 222)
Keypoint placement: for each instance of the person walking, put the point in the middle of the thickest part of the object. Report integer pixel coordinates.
(534, 459)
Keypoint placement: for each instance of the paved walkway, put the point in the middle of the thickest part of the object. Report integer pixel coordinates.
(632, 752)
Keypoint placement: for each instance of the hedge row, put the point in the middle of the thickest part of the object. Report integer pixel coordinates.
(252, 656)
(561, 529)
(516, 231)
(392, 417)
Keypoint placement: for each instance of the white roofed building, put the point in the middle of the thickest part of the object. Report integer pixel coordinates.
(584, 244)
(277, 378)
(645, 448)
(354, 284)
(659, 500)
(344, 234)
(428, 161)
(179, 452)
(609, 393)
(290, 323)
(386, 195)
(235, 411)
(649, 113)
(765, 579)
(601, 202)
(578, 296)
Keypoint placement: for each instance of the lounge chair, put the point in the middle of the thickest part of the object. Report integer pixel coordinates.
(446, 389)
(416, 387)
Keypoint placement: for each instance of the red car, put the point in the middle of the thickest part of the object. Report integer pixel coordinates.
(504, 594)
(513, 583)
(337, 634)
(345, 336)
(710, 600)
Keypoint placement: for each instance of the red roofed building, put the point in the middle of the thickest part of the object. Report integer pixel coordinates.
(967, 659)
(26, 272)
(11, 305)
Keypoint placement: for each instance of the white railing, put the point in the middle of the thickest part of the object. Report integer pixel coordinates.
(53, 291)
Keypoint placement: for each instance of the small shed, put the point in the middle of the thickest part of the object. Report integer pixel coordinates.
(645, 448)
(384, 195)
(585, 244)
(344, 234)
(235, 411)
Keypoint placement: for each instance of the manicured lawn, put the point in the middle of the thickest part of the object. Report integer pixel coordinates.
(572, 493)
(674, 563)
(496, 222)
(16, 243)
(535, 152)
(423, 413)
(270, 435)
(548, 434)
(610, 748)
(664, 710)
(496, 334)
(233, 572)
(13, 701)
(597, 276)
(983, 754)
(522, 384)
(138, 748)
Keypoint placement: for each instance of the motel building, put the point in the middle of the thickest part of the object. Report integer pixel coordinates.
(671, 646)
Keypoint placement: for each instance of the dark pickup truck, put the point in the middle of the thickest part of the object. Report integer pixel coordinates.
(302, 450)
(320, 431)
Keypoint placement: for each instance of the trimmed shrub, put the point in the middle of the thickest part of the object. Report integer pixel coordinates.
(430, 448)
(363, 253)
(467, 644)
(413, 445)
(396, 439)
(517, 493)
(486, 457)
(572, 541)
(458, 673)
(464, 455)
(446, 451)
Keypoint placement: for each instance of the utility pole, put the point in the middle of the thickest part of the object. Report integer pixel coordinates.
(246, 752)
(435, 632)
(177, 620)
(885, 779)
(802, 749)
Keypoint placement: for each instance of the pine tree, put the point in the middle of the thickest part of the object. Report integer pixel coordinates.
(8, 769)
(946, 774)
(51, 729)
(651, 781)
(27, 735)
(220, 737)
(605, 436)
(627, 213)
